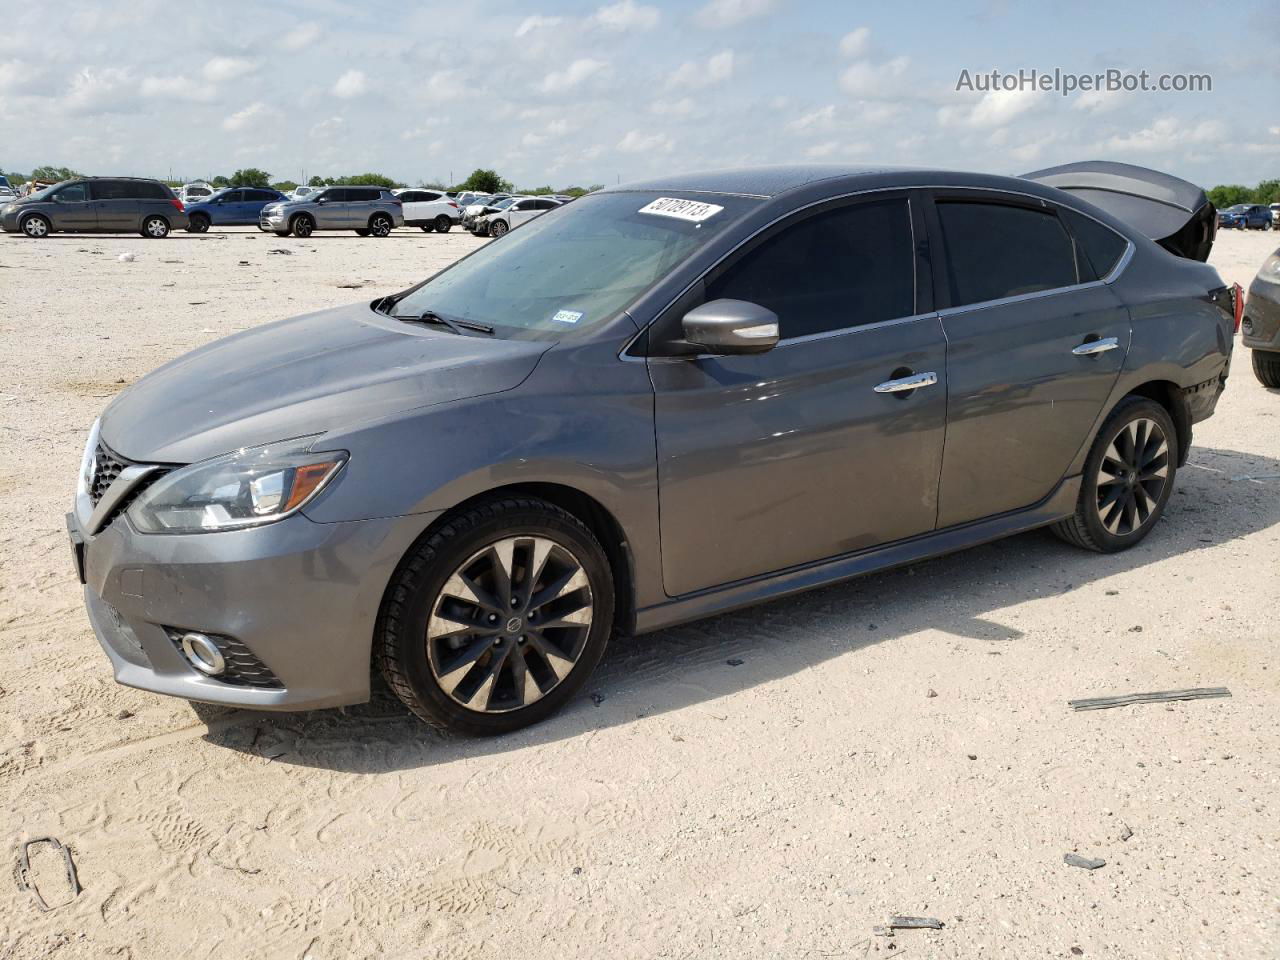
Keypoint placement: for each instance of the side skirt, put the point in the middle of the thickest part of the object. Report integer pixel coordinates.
(744, 593)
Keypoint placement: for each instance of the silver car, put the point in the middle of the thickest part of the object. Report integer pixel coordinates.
(369, 211)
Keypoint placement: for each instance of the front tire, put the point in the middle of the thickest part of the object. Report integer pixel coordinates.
(443, 224)
(303, 225)
(155, 228)
(1266, 367)
(498, 228)
(199, 223)
(36, 226)
(1128, 478)
(362, 232)
(498, 618)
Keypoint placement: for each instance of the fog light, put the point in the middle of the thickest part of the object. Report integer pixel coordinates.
(203, 654)
(1247, 326)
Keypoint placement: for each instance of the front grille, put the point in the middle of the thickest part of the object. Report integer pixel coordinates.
(107, 466)
(243, 669)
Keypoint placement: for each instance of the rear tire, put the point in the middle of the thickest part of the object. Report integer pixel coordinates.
(380, 225)
(427, 227)
(155, 227)
(1128, 478)
(1266, 367)
(457, 665)
(443, 224)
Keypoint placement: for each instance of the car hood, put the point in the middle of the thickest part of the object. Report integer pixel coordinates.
(305, 375)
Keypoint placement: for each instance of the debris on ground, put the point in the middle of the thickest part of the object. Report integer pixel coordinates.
(27, 881)
(914, 923)
(597, 698)
(1125, 832)
(1160, 696)
(735, 662)
(124, 714)
(127, 257)
(244, 263)
(1087, 863)
(932, 692)
(354, 285)
(287, 253)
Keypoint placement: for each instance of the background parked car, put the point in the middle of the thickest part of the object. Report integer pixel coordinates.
(1260, 327)
(7, 194)
(97, 205)
(1246, 216)
(300, 193)
(232, 206)
(366, 210)
(515, 213)
(195, 191)
(429, 209)
(481, 205)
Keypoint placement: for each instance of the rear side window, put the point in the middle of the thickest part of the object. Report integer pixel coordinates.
(363, 194)
(846, 267)
(1098, 247)
(999, 250)
(113, 190)
(259, 195)
(153, 191)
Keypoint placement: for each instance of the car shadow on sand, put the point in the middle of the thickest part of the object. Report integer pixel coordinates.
(1221, 495)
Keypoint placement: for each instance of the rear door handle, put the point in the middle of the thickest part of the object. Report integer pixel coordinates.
(913, 382)
(1091, 347)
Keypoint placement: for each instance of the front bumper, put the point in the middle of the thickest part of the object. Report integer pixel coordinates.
(302, 597)
(9, 221)
(1260, 328)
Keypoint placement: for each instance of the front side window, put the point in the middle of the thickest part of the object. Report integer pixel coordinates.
(564, 274)
(76, 193)
(999, 250)
(843, 267)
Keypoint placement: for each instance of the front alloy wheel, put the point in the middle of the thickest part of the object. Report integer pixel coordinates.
(497, 618)
(35, 226)
(498, 228)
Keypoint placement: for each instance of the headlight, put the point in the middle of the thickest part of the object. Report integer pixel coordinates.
(88, 459)
(1271, 267)
(247, 488)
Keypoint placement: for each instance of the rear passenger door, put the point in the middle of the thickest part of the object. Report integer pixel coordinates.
(116, 205)
(1035, 343)
(360, 205)
(811, 450)
(254, 201)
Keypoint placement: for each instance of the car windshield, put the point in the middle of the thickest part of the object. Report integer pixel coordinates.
(575, 269)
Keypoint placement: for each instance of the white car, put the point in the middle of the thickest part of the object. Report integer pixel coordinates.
(514, 214)
(194, 192)
(428, 209)
(301, 193)
(7, 195)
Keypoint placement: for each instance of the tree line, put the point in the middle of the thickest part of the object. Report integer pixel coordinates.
(481, 181)
(1228, 195)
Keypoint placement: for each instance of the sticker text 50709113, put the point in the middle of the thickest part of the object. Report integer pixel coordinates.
(695, 211)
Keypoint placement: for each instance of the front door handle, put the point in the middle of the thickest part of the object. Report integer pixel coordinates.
(1091, 347)
(913, 382)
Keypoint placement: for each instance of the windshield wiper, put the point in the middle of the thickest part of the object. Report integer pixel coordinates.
(457, 326)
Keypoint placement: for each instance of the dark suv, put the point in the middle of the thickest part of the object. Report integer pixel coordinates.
(97, 205)
(369, 211)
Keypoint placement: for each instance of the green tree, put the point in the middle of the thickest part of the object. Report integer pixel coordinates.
(594, 187)
(483, 181)
(1268, 191)
(368, 180)
(574, 191)
(53, 173)
(285, 186)
(1229, 194)
(221, 181)
(250, 177)
(316, 182)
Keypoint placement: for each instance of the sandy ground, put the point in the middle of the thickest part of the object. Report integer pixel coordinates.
(691, 808)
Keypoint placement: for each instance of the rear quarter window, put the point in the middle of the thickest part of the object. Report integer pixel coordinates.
(1098, 247)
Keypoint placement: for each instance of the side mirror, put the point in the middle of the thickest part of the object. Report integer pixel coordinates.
(322, 199)
(731, 327)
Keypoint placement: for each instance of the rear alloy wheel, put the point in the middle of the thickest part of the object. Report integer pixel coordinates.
(155, 228)
(1128, 478)
(303, 225)
(498, 228)
(498, 618)
(381, 225)
(36, 226)
(1266, 367)
(443, 224)
(199, 223)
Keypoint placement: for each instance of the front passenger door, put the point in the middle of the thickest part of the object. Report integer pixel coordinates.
(772, 460)
(332, 213)
(72, 209)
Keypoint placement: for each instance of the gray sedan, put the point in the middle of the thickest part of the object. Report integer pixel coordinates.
(669, 400)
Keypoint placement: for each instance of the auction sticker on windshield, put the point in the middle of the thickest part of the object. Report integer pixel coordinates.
(692, 210)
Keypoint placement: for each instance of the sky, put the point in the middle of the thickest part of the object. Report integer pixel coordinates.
(563, 93)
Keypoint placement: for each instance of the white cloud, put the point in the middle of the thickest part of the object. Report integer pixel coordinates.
(683, 107)
(351, 84)
(428, 126)
(445, 85)
(328, 127)
(626, 15)
(726, 13)
(220, 69)
(1098, 101)
(815, 119)
(536, 22)
(1167, 133)
(304, 36)
(866, 79)
(95, 90)
(178, 88)
(693, 74)
(242, 118)
(856, 42)
(994, 109)
(637, 142)
(571, 76)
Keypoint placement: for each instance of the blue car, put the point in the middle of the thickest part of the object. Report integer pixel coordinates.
(1246, 216)
(232, 206)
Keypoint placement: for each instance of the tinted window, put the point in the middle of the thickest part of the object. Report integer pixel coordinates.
(997, 250)
(334, 195)
(410, 196)
(75, 193)
(1098, 247)
(841, 268)
(363, 194)
(429, 195)
(113, 190)
(152, 191)
(261, 195)
(232, 196)
(546, 205)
